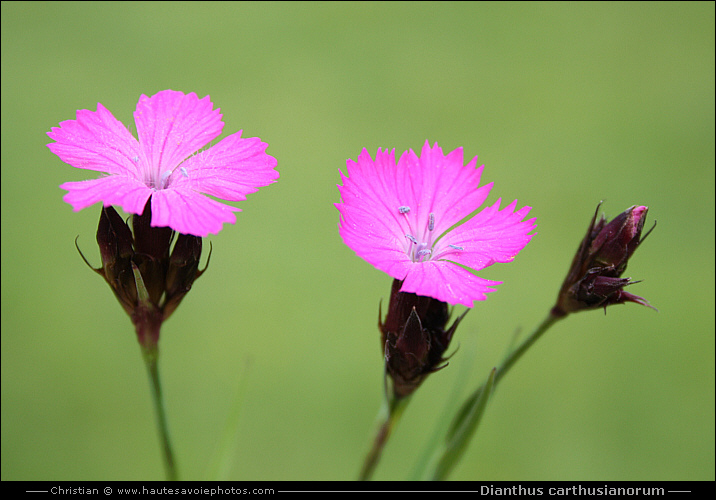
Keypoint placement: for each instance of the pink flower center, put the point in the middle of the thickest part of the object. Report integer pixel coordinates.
(420, 243)
(163, 181)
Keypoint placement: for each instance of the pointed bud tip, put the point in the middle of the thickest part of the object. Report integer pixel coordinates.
(594, 278)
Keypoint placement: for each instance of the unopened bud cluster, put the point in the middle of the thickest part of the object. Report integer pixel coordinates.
(147, 275)
(594, 279)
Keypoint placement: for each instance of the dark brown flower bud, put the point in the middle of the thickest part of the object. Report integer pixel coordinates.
(414, 338)
(148, 281)
(615, 242)
(183, 270)
(151, 252)
(594, 279)
(115, 246)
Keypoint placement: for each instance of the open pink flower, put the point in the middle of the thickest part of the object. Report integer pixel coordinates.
(162, 164)
(399, 219)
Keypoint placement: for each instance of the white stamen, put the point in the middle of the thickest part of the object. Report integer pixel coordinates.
(455, 247)
(184, 172)
(411, 238)
(424, 251)
(163, 180)
(135, 159)
(431, 221)
(403, 209)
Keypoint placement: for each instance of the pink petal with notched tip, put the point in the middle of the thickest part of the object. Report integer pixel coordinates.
(125, 192)
(96, 141)
(441, 185)
(230, 169)
(491, 236)
(189, 212)
(373, 188)
(446, 282)
(371, 241)
(172, 126)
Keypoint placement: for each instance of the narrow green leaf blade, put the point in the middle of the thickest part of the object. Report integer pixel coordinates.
(461, 435)
(436, 442)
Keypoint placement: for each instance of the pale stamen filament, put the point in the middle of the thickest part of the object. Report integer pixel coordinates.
(419, 250)
(164, 178)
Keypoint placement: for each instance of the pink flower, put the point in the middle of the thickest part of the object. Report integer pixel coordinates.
(399, 219)
(163, 164)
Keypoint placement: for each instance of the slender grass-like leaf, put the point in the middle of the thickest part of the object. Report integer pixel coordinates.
(457, 444)
(429, 454)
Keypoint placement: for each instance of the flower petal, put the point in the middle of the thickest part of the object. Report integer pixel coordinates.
(374, 188)
(493, 235)
(171, 126)
(447, 282)
(442, 185)
(371, 241)
(96, 141)
(230, 169)
(189, 212)
(126, 192)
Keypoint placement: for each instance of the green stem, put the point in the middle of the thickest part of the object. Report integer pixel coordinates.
(515, 355)
(147, 319)
(151, 357)
(389, 415)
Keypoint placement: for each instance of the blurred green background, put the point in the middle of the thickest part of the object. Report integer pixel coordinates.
(566, 104)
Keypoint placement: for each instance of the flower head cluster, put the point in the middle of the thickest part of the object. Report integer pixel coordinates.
(401, 218)
(163, 163)
(594, 279)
